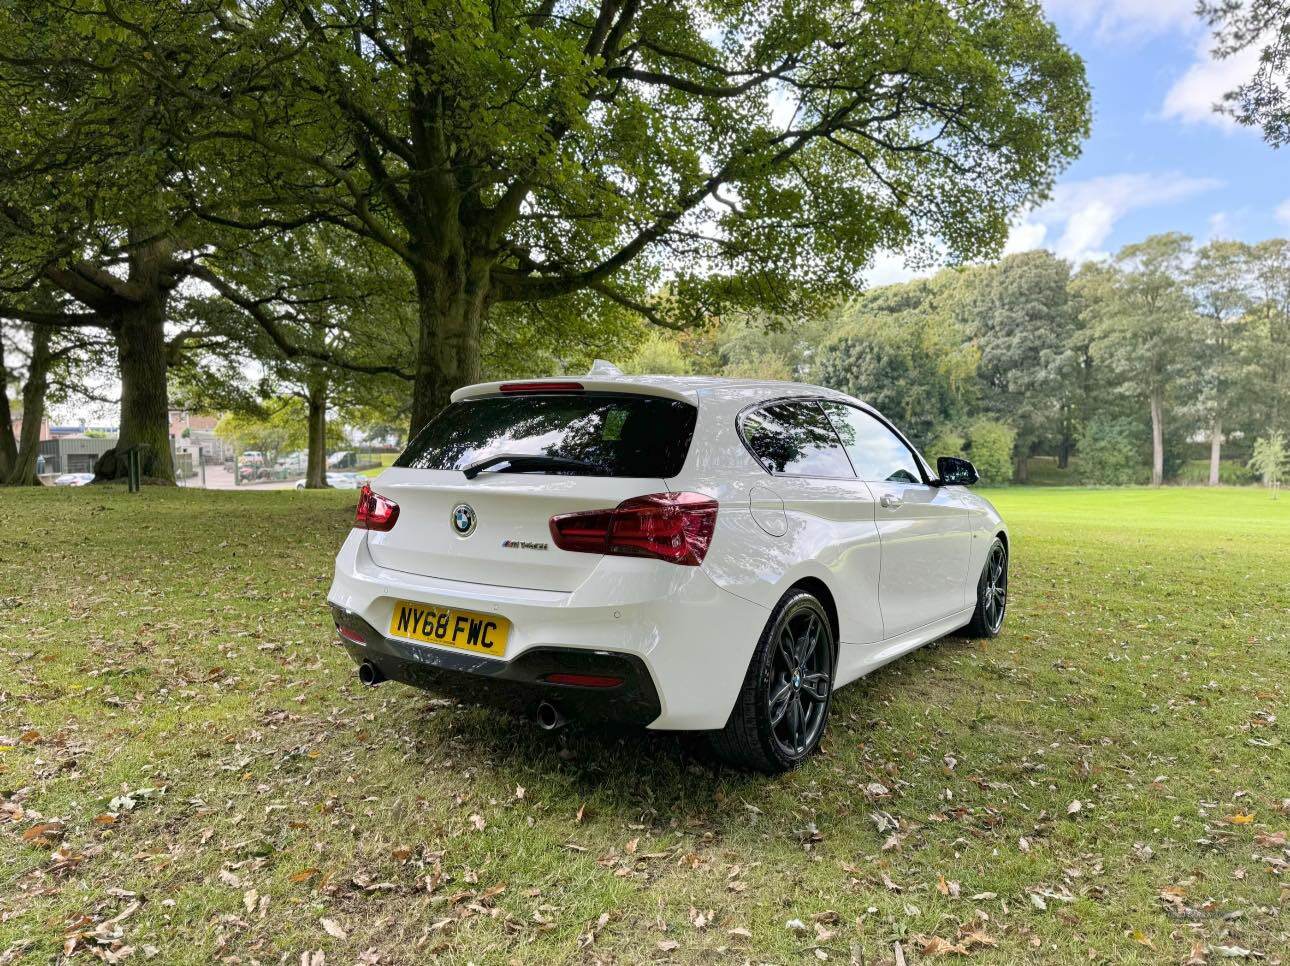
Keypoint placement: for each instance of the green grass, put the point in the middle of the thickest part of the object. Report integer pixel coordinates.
(385, 460)
(177, 641)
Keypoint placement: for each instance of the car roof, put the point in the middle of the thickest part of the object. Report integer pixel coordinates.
(687, 388)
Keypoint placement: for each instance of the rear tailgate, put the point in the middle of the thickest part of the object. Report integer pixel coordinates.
(510, 544)
(511, 460)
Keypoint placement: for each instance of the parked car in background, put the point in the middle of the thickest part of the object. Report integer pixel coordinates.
(251, 457)
(339, 481)
(74, 479)
(294, 462)
(681, 553)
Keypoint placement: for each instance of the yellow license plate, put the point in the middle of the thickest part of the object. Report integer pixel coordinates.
(482, 633)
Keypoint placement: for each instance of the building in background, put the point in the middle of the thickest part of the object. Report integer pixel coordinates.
(73, 454)
(192, 431)
(17, 426)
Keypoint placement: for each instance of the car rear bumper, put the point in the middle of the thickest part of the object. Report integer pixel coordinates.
(680, 643)
(518, 685)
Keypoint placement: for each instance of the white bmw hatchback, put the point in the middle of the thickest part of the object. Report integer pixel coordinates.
(681, 553)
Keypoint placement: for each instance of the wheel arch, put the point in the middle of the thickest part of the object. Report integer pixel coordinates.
(818, 589)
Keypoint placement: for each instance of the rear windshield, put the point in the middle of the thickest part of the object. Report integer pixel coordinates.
(609, 434)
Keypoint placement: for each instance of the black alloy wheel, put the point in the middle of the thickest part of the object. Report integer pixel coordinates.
(801, 680)
(783, 707)
(991, 594)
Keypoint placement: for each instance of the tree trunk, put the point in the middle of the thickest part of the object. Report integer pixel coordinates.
(316, 466)
(451, 316)
(23, 472)
(1065, 442)
(1022, 471)
(8, 445)
(145, 404)
(1157, 437)
(1215, 450)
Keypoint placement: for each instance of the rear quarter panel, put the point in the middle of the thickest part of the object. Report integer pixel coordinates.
(751, 563)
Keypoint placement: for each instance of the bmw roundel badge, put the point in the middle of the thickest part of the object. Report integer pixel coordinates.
(464, 519)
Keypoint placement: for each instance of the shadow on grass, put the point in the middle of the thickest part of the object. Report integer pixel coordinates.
(642, 775)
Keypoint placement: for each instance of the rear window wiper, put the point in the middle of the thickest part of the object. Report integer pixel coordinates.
(523, 462)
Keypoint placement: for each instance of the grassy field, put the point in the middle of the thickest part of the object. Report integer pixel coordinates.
(190, 772)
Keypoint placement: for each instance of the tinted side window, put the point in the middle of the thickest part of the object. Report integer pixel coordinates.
(877, 454)
(795, 438)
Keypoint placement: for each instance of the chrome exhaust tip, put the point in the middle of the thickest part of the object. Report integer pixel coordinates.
(549, 717)
(369, 674)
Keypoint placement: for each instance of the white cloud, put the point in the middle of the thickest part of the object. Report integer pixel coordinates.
(1192, 97)
(888, 268)
(1126, 20)
(1076, 223)
(1081, 215)
(1220, 225)
(1283, 212)
(1026, 236)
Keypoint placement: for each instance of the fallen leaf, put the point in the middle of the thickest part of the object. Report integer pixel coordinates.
(936, 946)
(333, 929)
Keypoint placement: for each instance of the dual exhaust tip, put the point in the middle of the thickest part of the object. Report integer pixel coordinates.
(548, 716)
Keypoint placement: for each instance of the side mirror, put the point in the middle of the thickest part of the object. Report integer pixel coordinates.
(954, 471)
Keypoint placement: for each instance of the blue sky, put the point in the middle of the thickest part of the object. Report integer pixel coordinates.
(1159, 158)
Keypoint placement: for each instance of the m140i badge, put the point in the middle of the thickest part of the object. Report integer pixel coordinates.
(524, 545)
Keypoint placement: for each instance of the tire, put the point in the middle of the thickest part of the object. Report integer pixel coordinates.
(991, 594)
(783, 707)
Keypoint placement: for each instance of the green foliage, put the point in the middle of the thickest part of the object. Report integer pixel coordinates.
(1261, 100)
(1270, 458)
(1024, 323)
(903, 350)
(1230, 473)
(277, 427)
(621, 149)
(1145, 331)
(1109, 452)
(989, 446)
(946, 441)
(658, 355)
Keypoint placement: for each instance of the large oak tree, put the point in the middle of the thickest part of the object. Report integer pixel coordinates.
(725, 154)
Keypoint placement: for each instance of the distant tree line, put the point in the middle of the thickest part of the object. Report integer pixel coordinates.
(1132, 364)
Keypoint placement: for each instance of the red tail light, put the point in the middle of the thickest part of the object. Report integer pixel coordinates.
(676, 527)
(521, 387)
(375, 512)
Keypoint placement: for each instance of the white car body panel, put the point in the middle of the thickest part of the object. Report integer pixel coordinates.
(897, 576)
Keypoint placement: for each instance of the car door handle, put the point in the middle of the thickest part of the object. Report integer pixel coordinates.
(891, 502)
